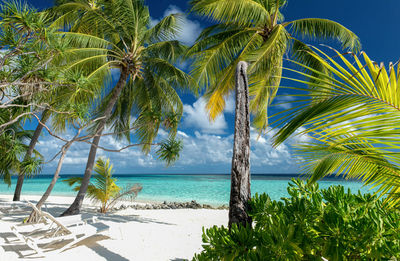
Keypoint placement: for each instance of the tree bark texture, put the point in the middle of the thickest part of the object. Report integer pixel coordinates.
(33, 217)
(75, 207)
(28, 154)
(240, 172)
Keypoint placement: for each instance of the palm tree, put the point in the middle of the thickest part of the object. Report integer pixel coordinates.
(103, 189)
(29, 46)
(75, 99)
(28, 155)
(253, 31)
(145, 58)
(353, 119)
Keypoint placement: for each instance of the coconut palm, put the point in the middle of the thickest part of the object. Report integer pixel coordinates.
(144, 56)
(352, 118)
(254, 31)
(103, 188)
(76, 101)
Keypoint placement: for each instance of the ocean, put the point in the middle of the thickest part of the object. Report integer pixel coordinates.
(205, 189)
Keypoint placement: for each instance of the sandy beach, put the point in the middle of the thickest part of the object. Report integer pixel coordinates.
(162, 234)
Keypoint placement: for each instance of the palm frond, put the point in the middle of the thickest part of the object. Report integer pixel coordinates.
(165, 30)
(169, 151)
(227, 11)
(352, 119)
(167, 50)
(129, 192)
(317, 28)
(301, 53)
(102, 187)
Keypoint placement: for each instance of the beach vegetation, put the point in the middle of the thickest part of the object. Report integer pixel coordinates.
(352, 120)
(58, 84)
(169, 151)
(310, 224)
(12, 149)
(142, 56)
(36, 83)
(255, 32)
(103, 188)
(29, 77)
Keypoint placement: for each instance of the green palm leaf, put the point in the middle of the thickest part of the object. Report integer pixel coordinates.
(103, 188)
(352, 119)
(254, 31)
(122, 38)
(325, 29)
(226, 11)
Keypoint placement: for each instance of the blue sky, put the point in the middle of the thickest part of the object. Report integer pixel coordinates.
(208, 146)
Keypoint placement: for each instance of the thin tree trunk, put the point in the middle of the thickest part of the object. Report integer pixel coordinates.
(240, 173)
(32, 144)
(33, 217)
(77, 204)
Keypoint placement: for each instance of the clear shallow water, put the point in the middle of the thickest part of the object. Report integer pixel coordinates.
(205, 189)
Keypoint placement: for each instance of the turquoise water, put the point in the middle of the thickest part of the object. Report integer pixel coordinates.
(205, 189)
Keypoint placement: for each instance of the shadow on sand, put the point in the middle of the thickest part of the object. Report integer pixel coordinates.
(10, 243)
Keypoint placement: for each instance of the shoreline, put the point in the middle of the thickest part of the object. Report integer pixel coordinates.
(212, 190)
(143, 202)
(134, 234)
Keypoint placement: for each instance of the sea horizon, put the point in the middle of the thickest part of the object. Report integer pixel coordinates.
(267, 175)
(212, 189)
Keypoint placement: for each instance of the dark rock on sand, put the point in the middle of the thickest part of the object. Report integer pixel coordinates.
(172, 205)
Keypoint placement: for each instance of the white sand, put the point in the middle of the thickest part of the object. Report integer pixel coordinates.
(134, 234)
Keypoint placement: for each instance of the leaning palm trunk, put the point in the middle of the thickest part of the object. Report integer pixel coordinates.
(33, 217)
(77, 204)
(240, 173)
(32, 144)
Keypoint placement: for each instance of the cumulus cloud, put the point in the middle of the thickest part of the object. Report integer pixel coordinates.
(209, 151)
(196, 116)
(202, 153)
(230, 103)
(284, 102)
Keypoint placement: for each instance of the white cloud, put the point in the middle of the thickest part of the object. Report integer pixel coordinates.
(212, 151)
(196, 116)
(205, 149)
(230, 103)
(208, 150)
(153, 21)
(299, 137)
(202, 153)
(284, 102)
(190, 30)
(75, 160)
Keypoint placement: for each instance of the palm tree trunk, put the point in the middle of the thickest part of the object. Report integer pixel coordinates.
(33, 217)
(240, 173)
(32, 144)
(77, 204)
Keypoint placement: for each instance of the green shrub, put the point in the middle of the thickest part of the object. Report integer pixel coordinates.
(308, 225)
(103, 188)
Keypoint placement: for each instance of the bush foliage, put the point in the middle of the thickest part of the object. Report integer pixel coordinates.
(310, 224)
(103, 188)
